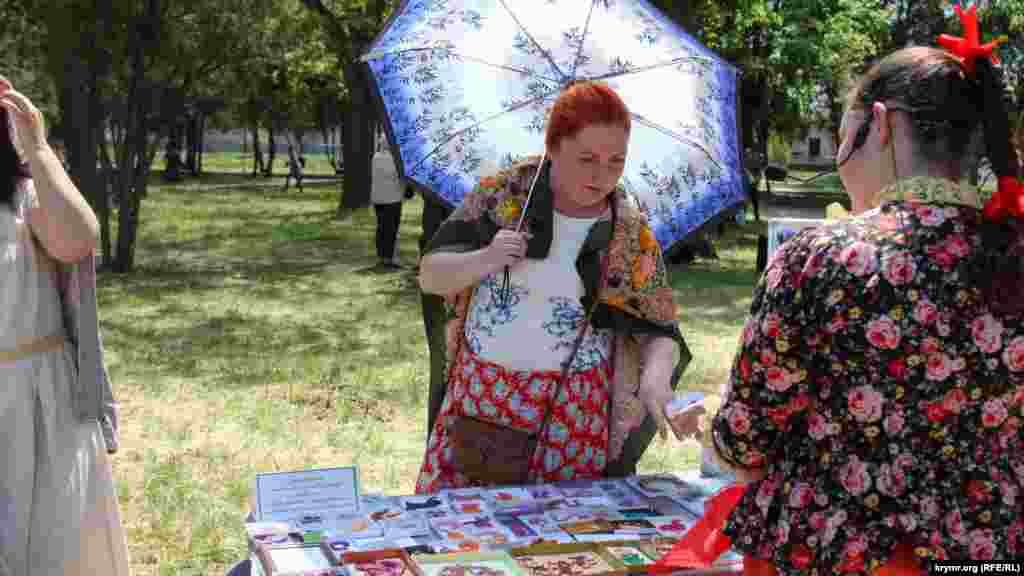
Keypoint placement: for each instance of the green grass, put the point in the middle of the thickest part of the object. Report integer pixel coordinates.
(255, 335)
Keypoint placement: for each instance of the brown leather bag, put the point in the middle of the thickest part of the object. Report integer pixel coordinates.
(490, 454)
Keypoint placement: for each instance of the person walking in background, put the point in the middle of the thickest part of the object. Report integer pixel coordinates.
(296, 168)
(386, 193)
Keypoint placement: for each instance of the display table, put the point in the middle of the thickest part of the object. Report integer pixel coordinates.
(578, 528)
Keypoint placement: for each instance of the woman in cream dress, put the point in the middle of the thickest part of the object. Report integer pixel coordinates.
(58, 506)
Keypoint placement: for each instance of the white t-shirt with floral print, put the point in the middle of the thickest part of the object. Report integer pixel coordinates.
(538, 325)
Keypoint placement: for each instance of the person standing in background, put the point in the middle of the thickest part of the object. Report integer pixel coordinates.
(387, 194)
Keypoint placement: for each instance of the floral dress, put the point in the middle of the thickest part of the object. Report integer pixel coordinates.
(881, 394)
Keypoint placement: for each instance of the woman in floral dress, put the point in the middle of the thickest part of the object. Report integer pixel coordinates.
(58, 504)
(582, 240)
(875, 400)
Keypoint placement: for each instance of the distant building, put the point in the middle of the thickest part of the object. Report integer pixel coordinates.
(814, 145)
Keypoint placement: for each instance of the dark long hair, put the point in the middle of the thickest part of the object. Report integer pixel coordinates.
(946, 105)
(12, 169)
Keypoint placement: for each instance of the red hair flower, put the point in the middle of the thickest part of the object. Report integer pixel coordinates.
(970, 47)
(1007, 201)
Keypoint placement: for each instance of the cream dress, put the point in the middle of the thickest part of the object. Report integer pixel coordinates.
(58, 506)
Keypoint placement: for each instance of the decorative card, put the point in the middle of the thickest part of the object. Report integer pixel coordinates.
(392, 511)
(553, 504)
(611, 485)
(633, 556)
(516, 526)
(457, 546)
(638, 527)
(564, 560)
(674, 506)
(660, 546)
(629, 499)
(505, 497)
(405, 527)
(633, 513)
(380, 563)
(599, 501)
(271, 534)
(437, 513)
(489, 539)
(653, 485)
(464, 527)
(601, 537)
(673, 526)
(464, 495)
(525, 507)
(584, 492)
(356, 526)
(587, 527)
(470, 507)
(418, 549)
(370, 501)
(471, 564)
(335, 547)
(543, 492)
(305, 559)
(582, 514)
(541, 523)
(342, 545)
(420, 503)
(559, 537)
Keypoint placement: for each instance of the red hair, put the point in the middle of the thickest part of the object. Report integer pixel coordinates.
(580, 105)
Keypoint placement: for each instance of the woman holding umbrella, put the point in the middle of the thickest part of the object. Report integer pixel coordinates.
(565, 331)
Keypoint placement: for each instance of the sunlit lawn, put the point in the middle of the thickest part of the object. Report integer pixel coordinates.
(255, 335)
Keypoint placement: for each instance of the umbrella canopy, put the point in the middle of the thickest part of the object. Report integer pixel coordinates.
(466, 86)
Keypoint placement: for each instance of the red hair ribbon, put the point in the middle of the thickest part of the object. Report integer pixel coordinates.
(1007, 201)
(970, 47)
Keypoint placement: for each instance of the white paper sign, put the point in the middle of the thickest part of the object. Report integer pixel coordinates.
(308, 499)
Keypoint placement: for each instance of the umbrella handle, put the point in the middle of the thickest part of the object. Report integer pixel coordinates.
(506, 284)
(522, 215)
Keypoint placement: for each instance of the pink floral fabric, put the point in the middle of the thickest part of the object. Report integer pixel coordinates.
(882, 395)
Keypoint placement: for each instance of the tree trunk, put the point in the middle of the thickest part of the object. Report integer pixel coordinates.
(359, 119)
(82, 115)
(201, 120)
(257, 151)
(268, 170)
(132, 165)
(190, 148)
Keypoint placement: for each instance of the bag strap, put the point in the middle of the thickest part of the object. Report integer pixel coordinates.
(567, 365)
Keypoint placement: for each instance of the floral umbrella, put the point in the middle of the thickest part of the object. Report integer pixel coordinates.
(466, 86)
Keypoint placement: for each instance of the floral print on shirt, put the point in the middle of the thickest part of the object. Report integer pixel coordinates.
(882, 395)
(565, 323)
(490, 309)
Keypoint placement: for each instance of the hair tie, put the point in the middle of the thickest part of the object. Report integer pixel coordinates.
(969, 48)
